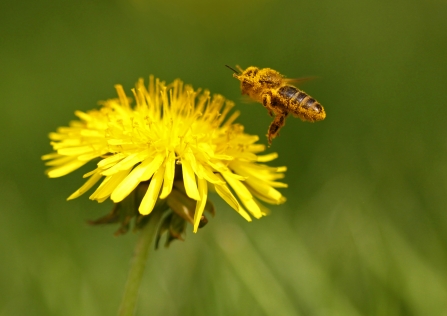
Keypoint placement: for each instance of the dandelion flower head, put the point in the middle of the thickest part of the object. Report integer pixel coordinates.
(172, 133)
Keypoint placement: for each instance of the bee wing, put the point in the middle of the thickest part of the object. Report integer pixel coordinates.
(299, 80)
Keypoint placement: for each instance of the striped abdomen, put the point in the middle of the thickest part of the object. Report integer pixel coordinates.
(301, 104)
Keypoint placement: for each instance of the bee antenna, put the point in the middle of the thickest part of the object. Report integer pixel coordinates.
(235, 71)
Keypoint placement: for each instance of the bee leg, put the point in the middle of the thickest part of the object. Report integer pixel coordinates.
(278, 122)
(267, 102)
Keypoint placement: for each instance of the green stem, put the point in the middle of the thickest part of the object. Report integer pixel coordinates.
(138, 263)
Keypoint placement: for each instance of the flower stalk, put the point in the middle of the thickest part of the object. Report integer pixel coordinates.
(138, 263)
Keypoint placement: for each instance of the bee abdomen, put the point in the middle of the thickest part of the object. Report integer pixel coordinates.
(300, 97)
(287, 91)
(311, 104)
(301, 104)
(293, 95)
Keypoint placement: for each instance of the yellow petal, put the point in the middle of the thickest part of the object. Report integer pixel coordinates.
(225, 193)
(268, 157)
(266, 198)
(87, 185)
(57, 136)
(281, 169)
(244, 156)
(70, 142)
(168, 179)
(151, 196)
(261, 172)
(75, 151)
(122, 95)
(65, 169)
(50, 156)
(83, 116)
(189, 156)
(152, 167)
(92, 155)
(265, 190)
(256, 148)
(210, 176)
(61, 160)
(128, 184)
(244, 214)
(127, 162)
(276, 184)
(90, 173)
(92, 133)
(142, 172)
(189, 179)
(240, 189)
(108, 186)
(110, 161)
(231, 119)
(265, 211)
(232, 175)
(244, 194)
(200, 206)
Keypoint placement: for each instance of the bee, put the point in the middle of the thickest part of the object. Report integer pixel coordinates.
(279, 97)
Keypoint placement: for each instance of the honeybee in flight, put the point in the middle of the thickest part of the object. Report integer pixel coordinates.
(269, 87)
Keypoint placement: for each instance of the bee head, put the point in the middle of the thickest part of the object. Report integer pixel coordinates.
(254, 80)
(250, 73)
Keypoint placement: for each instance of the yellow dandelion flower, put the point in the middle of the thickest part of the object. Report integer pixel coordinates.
(176, 140)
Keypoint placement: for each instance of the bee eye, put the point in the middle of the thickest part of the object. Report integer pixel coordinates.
(252, 72)
(246, 85)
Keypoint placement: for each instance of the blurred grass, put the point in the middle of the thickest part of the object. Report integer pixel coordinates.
(364, 229)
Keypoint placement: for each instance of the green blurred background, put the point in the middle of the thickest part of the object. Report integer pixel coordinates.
(364, 228)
